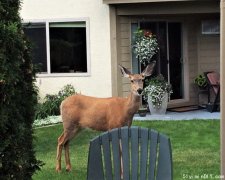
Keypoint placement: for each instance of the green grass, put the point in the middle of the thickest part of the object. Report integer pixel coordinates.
(195, 148)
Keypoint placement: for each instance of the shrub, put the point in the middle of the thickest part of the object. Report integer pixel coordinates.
(201, 81)
(18, 97)
(51, 104)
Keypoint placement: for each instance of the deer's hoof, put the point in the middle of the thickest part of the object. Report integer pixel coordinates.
(58, 169)
(68, 168)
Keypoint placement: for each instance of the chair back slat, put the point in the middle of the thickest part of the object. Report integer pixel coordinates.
(125, 152)
(146, 154)
(107, 156)
(144, 143)
(116, 153)
(153, 154)
(96, 171)
(134, 153)
(165, 157)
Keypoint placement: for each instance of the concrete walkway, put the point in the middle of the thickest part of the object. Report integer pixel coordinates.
(198, 114)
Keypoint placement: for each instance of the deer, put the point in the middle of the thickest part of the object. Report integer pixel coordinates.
(101, 114)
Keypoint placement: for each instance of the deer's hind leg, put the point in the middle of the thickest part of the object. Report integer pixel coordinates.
(66, 146)
(61, 141)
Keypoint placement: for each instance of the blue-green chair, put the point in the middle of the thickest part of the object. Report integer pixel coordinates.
(146, 154)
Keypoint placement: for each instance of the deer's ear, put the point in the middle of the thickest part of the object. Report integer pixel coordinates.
(124, 71)
(149, 69)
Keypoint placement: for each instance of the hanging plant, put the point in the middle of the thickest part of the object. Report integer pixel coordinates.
(145, 46)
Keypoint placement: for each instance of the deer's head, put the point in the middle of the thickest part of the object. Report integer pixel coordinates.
(137, 80)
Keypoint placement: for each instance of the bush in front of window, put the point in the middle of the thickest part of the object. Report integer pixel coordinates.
(51, 104)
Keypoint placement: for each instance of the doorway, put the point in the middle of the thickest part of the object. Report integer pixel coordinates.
(170, 56)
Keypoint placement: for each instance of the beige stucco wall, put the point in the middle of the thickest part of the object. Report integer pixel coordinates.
(98, 83)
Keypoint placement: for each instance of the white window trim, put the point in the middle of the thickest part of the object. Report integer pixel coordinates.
(47, 21)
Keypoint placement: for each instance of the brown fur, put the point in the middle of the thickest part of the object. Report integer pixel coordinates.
(101, 114)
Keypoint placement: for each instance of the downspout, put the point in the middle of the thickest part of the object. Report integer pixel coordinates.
(222, 80)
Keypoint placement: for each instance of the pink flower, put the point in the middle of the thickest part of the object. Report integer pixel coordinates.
(147, 33)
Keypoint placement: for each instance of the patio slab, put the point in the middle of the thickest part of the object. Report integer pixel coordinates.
(189, 115)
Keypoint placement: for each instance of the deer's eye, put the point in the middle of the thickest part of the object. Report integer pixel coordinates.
(132, 81)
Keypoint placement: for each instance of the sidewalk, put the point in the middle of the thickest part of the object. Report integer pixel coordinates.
(189, 115)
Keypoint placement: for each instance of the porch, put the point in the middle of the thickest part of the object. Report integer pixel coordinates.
(189, 115)
(186, 49)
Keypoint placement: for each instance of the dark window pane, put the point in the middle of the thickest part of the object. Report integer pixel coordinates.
(68, 49)
(36, 33)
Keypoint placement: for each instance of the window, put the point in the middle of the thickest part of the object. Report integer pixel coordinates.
(210, 27)
(59, 47)
(37, 35)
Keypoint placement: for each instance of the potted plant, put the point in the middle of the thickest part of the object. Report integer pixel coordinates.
(157, 93)
(145, 46)
(142, 111)
(201, 81)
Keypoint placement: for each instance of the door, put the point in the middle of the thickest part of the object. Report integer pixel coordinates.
(170, 56)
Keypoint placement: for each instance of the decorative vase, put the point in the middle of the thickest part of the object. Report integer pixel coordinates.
(158, 110)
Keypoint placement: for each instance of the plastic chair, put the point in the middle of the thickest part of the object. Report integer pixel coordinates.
(213, 79)
(145, 153)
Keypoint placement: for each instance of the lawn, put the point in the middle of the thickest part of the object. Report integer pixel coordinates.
(195, 148)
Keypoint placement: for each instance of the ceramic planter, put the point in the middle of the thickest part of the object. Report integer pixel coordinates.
(161, 109)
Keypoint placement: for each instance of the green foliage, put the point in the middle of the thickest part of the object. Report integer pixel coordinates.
(201, 81)
(155, 89)
(18, 97)
(145, 46)
(51, 104)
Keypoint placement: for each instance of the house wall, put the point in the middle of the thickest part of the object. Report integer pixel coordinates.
(98, 82)
(138, 1)
(203, 55)
(192, 58)
(209, 53)
(124, 53)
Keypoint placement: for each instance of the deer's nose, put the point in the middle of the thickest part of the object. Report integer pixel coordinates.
(140, 91)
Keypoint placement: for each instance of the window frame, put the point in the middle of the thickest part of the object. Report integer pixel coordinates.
(47, 22)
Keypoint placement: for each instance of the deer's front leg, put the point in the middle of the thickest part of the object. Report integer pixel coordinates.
(121, 161)
(129, 123)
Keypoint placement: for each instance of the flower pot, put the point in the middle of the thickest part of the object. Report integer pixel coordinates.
(155, 110)
(142, 112)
